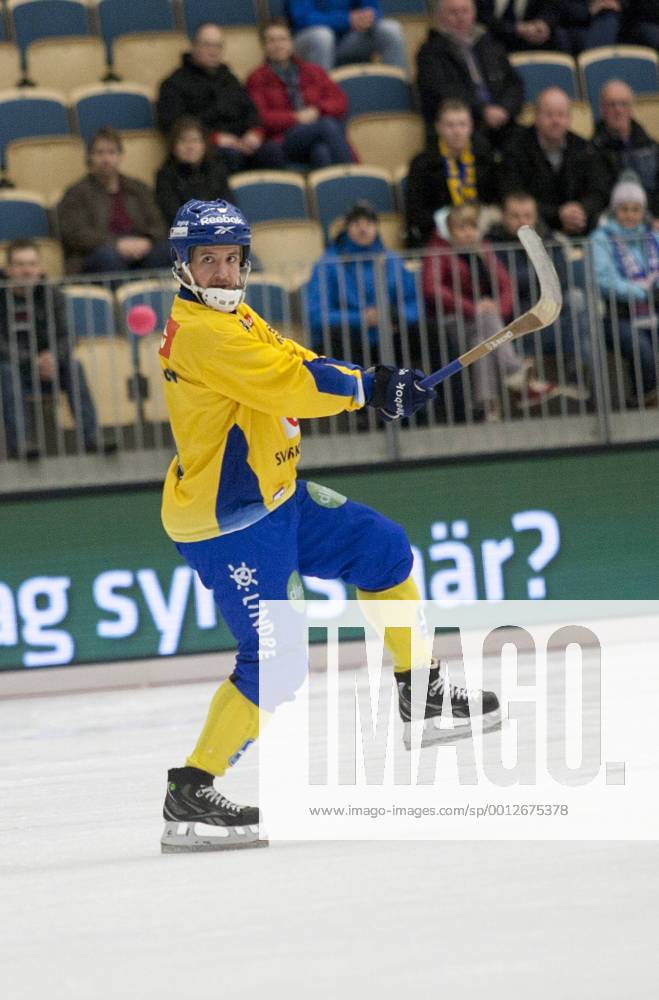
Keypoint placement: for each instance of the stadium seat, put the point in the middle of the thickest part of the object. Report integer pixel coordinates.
(390, 224)
(124, 17)
(270, 299)
(121, 105)
(581, 119)
(636, 65)
(110, 373)
(90, 311)
(403, 8)
(22, 213)
(66, 63)
(266, 195)
(646, 113)
(48, 166)
(52, 258)
(34, 19)
(159, 294)
(28, 112)
(373, 88)
(154, 407)
(400, 186)
(414, 18)
(540, 70)
(143, 155)
(227, 13)
(288, 249)
(243, 51)
(334, 190)
(10, 66)
(387, 140)
(148, 57)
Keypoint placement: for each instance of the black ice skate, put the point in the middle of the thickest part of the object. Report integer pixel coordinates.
(199, 818)
(485, 703)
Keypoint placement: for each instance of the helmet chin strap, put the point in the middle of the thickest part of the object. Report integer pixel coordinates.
(220, 299)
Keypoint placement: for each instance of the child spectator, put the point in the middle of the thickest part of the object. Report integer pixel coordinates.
(299, 105)
(191, 170)
(456, 169)
(626, 252)
(472, 286)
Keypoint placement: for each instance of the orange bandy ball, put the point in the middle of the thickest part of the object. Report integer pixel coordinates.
(141, 320)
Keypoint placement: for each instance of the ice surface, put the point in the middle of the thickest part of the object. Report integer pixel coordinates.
(92, 911)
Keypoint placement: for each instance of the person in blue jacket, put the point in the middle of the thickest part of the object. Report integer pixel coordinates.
(626, 254)
(344, 311)
(335, 32)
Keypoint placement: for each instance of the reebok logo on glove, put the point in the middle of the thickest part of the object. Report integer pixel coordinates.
(396, 393)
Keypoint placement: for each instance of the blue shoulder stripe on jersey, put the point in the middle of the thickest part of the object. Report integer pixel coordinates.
(329, 379)
(239, 502)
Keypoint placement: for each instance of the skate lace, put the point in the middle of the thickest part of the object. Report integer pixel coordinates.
(454, 690)
(217, 799)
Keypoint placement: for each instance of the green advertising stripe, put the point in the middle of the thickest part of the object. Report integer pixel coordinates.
(91, 578)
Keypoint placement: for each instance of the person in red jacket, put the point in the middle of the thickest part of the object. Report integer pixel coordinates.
(472, 290)
(298, 104)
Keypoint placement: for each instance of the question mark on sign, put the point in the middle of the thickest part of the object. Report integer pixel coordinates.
(550, 542)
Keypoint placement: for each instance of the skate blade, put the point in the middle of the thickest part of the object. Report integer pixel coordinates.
(434, 733)
(185, 838)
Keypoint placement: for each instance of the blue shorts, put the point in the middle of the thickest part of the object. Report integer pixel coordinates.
(317, 532)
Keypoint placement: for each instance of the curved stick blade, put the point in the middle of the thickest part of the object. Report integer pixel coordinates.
(548, 306)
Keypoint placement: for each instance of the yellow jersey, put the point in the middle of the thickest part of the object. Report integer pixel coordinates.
(234, 389)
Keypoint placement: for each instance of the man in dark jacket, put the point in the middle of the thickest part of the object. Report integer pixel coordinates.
(109, 222)
(457, 168)
(460, 59)
(519, 26)
(620, 144)
(204, 87)
(36, 352)
(552, 164)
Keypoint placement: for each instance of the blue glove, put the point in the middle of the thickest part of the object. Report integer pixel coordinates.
(396, 391)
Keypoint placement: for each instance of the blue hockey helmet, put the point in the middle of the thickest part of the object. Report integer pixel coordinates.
(210, 223)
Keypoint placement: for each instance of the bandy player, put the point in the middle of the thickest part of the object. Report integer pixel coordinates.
(237, 513)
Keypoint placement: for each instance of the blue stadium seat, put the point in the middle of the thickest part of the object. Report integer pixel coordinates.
(90, 311)
(540, 70)
(269, 299)
(36, 19)
(125, 17)
(121, 105)
(22, 214)
(26, 113)
(266, 195)
(404, 8)
(373, 88)
(636, 65)
(226, 13)
(151, 292)
(335, 189)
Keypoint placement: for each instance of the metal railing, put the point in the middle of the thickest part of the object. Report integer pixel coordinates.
(95, 412)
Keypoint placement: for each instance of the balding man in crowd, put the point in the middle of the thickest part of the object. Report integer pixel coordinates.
(461, 60)
(551, 163)
(621, 145)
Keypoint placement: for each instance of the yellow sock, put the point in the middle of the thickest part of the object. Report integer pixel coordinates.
(231, 725)
(408, 646)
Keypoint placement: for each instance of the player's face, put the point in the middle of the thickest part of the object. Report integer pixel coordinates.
(104, 158)
(362, 231)
(519, 212)
(617, 107)
(190, 147)
(208, 48)
(454, 127)
(278, 44)
(629, 214)
(457, 16)
(216, 267)
(24, 267)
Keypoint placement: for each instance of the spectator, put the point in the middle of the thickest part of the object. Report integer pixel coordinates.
(641, 23)
(587, 24)
(36, 353)
(457, 168)
(462, 60)
(191, 170)
(553, 165)
(203, 86)
(626, 252)
(341, 299)
(110, 222)
(345, 31)
(519, 24)
(620, 145)
(299, 105)
(569, 338)
(472, 288)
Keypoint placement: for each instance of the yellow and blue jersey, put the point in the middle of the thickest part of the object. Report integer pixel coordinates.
(235, 389)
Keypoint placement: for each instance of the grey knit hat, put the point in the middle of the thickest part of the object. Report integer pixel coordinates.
(628, 192)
